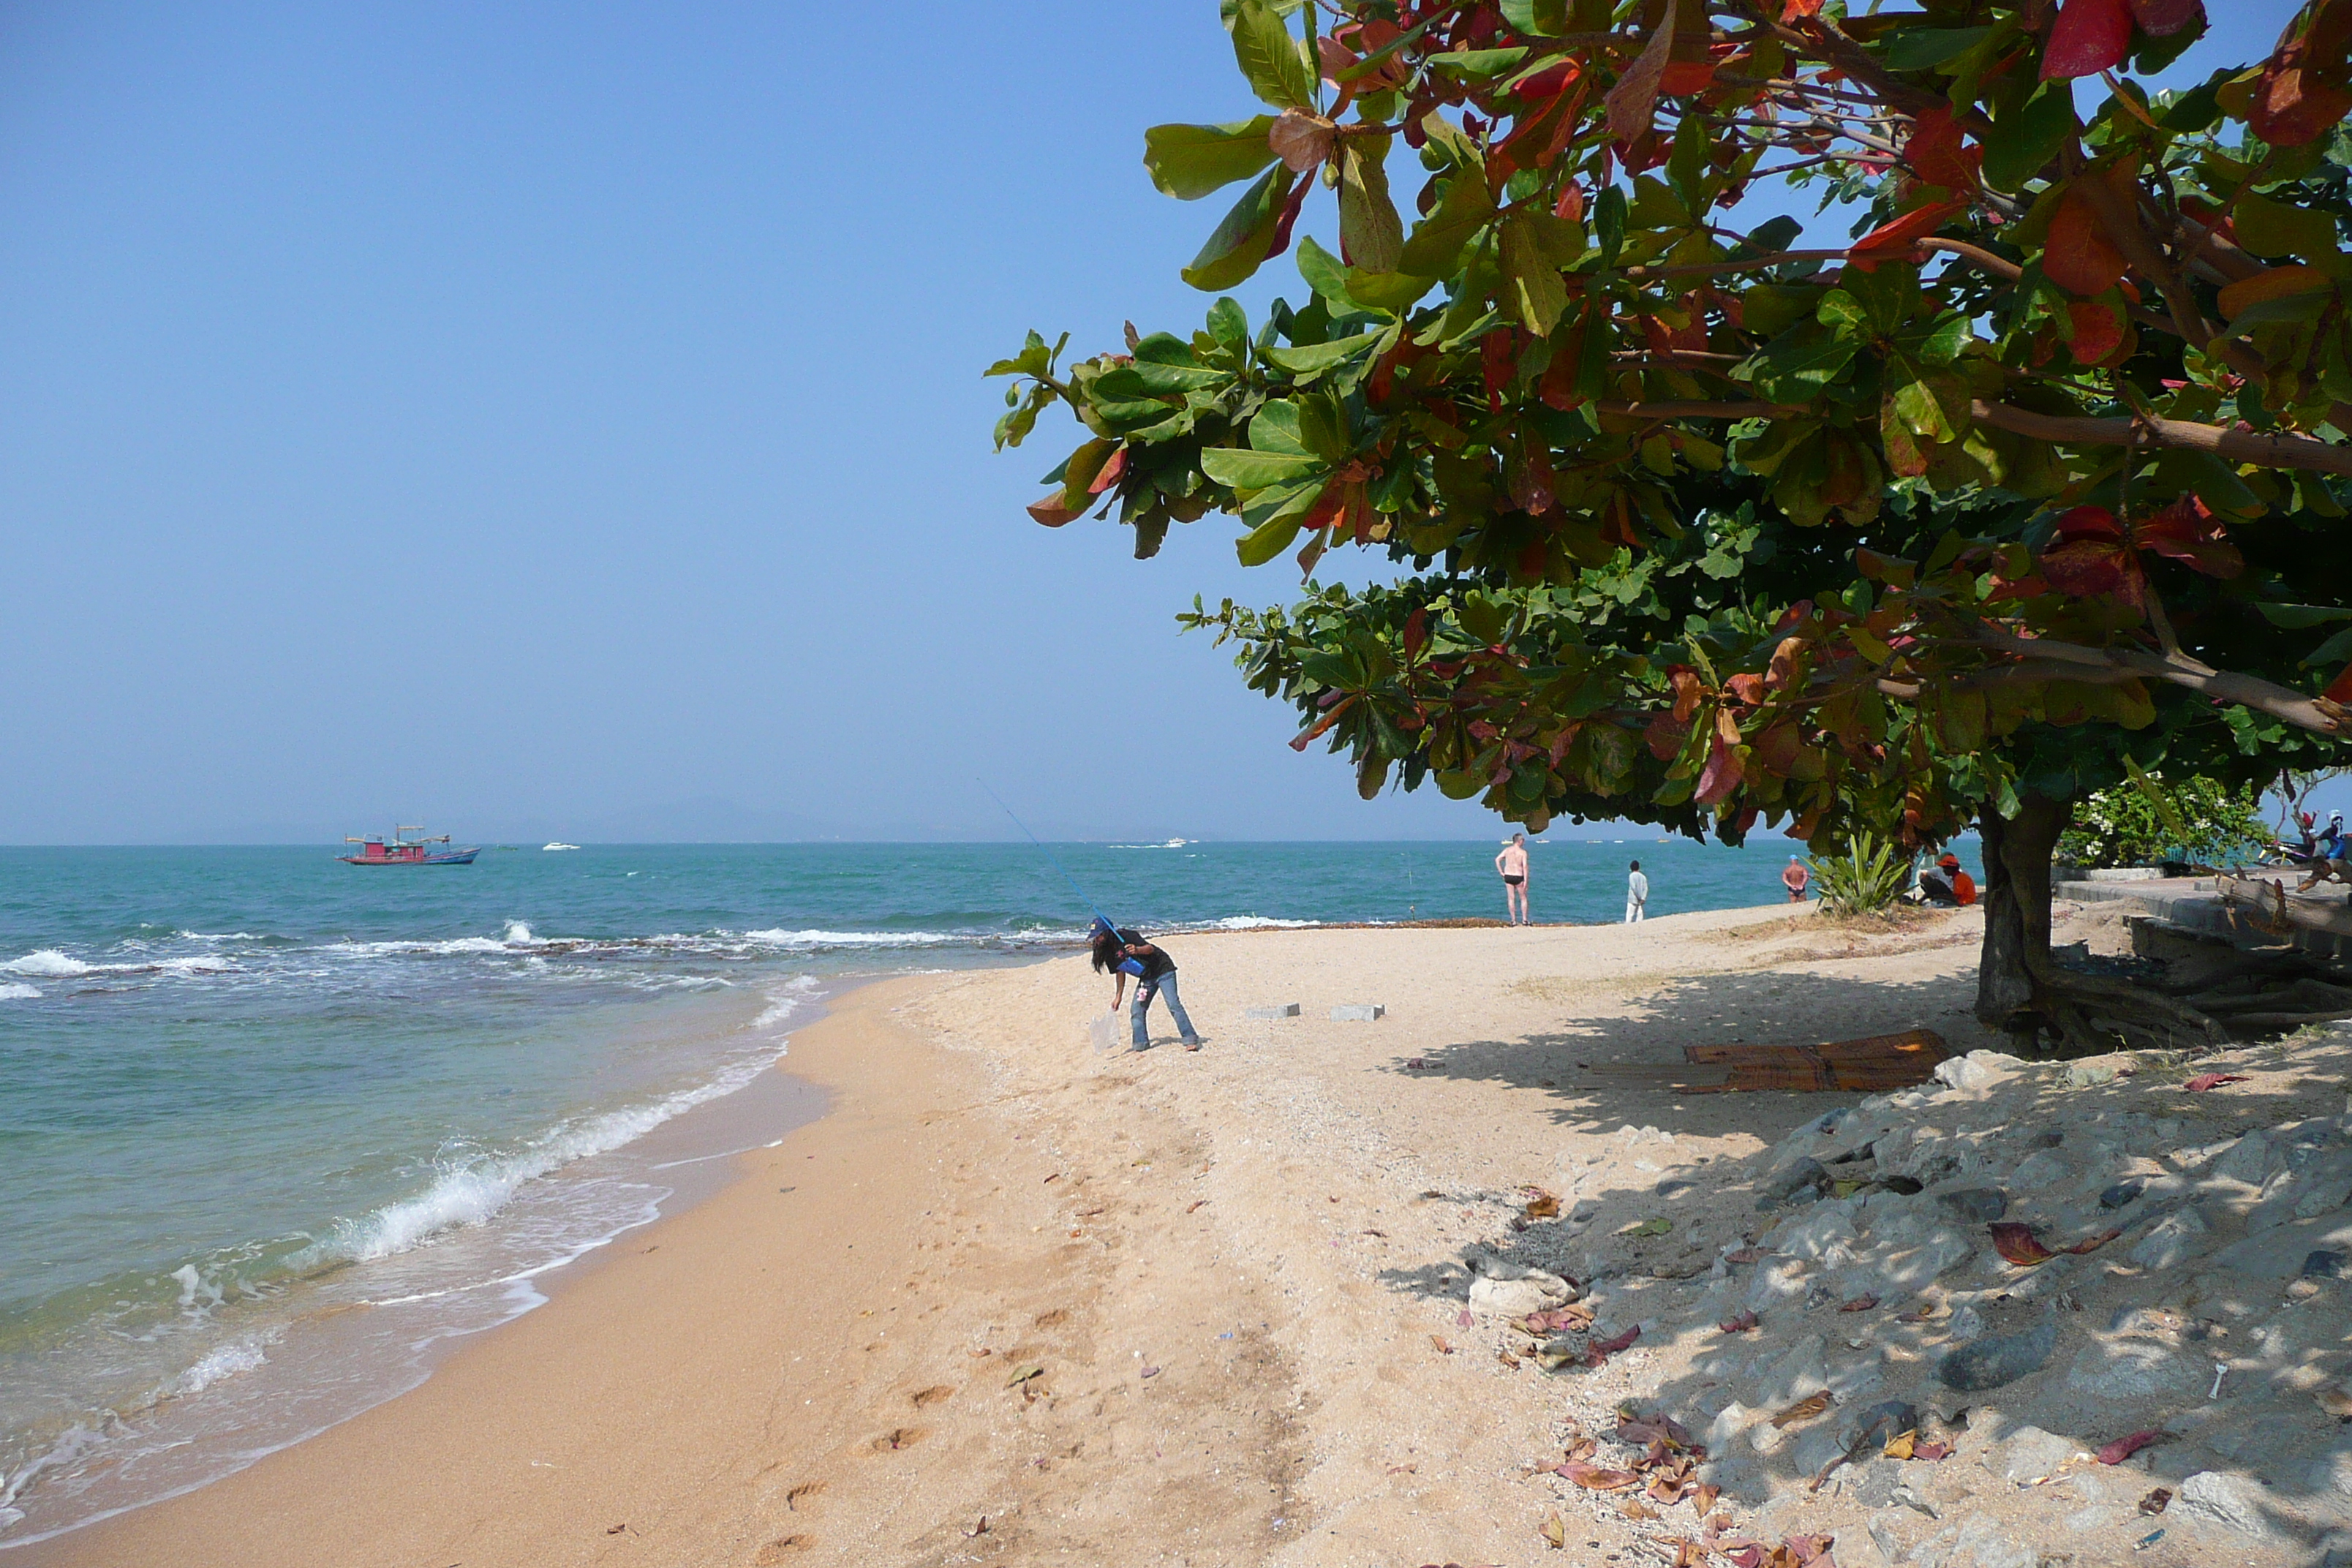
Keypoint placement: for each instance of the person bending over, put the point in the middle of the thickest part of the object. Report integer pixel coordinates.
(1513, 865)
(1125, 954)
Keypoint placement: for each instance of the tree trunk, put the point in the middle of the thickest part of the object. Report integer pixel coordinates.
(2045, 1010)
(2016, 899)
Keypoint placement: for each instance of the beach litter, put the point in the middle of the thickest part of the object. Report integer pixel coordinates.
(1357, 1011)
(1286, 1010)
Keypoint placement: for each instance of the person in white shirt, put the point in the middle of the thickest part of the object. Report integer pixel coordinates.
(1637, 893)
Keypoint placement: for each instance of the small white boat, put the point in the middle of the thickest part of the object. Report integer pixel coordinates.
(559, 847)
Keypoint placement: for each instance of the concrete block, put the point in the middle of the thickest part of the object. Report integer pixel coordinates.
(1288, 1010)
(1357, 1013)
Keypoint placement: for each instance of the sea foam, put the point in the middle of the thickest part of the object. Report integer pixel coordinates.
(17, 991)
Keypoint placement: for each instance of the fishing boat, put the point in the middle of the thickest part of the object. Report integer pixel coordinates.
(403, 850)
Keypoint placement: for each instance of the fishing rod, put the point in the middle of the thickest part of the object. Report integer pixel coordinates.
(1048, 854)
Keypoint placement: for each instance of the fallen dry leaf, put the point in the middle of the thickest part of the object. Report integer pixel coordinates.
(1919, 1314)
(1025, 1375)
(1593, 1477)
(2155, 1501)
(1900, 1445)
(2205, 1081)
(1749, 1254)
(1648, 1429)
(1804, 1549)
(980, 1529)
(1931, 1451)
(1541, 1204)
(1738, 1324)
(2016, 1242)
(1687, 1553)
(616, 1528)
(1702, 1500)
(1804, 1410)
(1656, 1225)
(1442, 1348)
(2123, 1449)
(1508, 1359)
(1621, 1341)
(1634, 1507)
(1196, 1203)
(1554, 1530)
(1558, 1320)
(1859, 1304)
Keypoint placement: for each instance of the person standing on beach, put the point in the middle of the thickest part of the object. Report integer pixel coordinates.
(1513, 865)
(1125, 954)
(1637, 894)
(1796, 879)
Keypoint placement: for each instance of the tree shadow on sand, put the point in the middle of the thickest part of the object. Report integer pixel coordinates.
(2108, 1375)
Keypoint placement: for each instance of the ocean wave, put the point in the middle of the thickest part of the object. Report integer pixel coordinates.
(17, 991)
(468, 1192)
(1255, 923)
(48, 963)
(784, 1001)
(222, 1361)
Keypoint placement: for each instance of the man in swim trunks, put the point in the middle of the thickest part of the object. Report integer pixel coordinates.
(1513, 865)
(1796, 879)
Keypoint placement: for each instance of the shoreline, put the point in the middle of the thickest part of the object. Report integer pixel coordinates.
(1231, 1271)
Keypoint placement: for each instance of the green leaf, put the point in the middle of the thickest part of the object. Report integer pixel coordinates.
(2338, 647)
(1270, 57)
(1188, 161)
(1537, 18)
(1770, 308)
(1241, 240)
(1323, 427)
(1313, 359)
(1437, 240)
(1477, 65)
(1145, 379)
(1924, 48)
(2299, 617)
(1229, 324)
(1370, 233)
(1241, 468)
(2029, 136)
(2276, 228)
(1534, 292)
(1276, 429)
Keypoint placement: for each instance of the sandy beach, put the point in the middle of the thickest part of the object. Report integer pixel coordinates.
(1015, 1300)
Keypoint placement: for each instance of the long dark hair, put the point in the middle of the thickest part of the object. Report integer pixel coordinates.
(1106, 944)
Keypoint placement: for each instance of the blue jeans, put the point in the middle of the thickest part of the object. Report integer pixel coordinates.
(1164, 986)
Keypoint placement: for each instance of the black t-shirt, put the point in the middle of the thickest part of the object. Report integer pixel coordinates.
(1155, 963)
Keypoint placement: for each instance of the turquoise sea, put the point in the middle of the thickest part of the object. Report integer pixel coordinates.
(242, 1090)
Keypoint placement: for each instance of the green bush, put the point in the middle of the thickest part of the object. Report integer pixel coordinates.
(1867, 875)
(2199, 819)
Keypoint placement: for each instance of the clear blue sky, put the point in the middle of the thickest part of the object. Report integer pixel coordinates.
(566, 420)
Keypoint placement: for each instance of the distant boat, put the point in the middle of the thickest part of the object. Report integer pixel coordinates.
(403, 850)
(559, 847)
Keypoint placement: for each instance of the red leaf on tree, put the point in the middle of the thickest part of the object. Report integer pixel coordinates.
(2098, 333)
(1720, 776)
(1289, 215)
(1051, 512)
(2188, 532)
(2340, 688)
(2162, 18)
(2209, 1080)
(1798, 10)
(1109, 474)
(2090, 555)
(2302, 94)
(1686, 75)
(2123, 1449)
(1893, 241)
(1630, 102)
(2016, 1242)
(2078, 256)
(1689, 690)
(1666, 736)
(1937, 153)
(2090, 36)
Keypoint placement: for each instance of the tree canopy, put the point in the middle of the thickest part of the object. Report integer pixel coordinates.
(1704, 523)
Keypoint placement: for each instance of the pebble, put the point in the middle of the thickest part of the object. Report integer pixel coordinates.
(2234, 1502)
(2029, 1454)
(1997, 1359)
(1783, 1184)
(2122, 1192)
(2324, 1265)
(2170, 1240)
(1978, 1205)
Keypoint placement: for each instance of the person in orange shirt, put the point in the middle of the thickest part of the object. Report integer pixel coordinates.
(1947, 884)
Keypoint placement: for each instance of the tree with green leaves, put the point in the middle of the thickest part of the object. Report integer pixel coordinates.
(2038, 469)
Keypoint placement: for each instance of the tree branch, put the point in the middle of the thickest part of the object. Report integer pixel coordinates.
(2082, 663)
(1702, 408)
(2300, 452)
